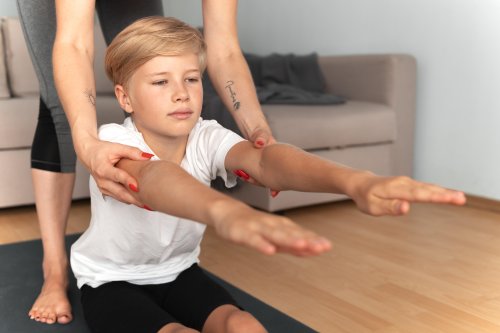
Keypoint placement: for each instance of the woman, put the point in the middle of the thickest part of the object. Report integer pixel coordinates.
(68, 115)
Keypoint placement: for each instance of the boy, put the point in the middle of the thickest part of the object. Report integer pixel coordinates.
(137, 268)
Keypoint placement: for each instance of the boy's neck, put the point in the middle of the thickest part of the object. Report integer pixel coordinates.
(166, 148)
(170, 149)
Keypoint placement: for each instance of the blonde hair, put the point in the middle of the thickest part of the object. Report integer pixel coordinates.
(147, 38)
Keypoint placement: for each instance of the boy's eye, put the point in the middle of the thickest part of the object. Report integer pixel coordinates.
(193, 79)
(160, 83)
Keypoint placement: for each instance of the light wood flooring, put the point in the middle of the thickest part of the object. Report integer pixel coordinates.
(435, 270)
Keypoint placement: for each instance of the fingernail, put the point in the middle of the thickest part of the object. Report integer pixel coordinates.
(147, 155)
(242, 174)
(147, 207)
(260, 143)
(133, 187)
(274, 194)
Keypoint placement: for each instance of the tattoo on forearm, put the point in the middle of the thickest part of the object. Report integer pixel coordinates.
(90, 97)
(232, 94)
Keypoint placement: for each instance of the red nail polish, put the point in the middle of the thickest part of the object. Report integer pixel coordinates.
(147, 155)
(274, 194)
(133, 187)
(242, 174)
(260, 143)
(147, 207)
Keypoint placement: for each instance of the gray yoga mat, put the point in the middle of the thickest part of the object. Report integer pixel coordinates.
(21, 279)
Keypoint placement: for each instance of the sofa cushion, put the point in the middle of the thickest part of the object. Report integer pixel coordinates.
(328, 126)
(4, 89)
(22, 77)
(18, 118)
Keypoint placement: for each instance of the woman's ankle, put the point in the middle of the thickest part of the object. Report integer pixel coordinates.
(56, 270)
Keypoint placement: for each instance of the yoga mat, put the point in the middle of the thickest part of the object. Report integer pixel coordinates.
(21, 280)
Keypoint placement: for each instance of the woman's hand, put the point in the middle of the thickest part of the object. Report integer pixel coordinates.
(100, 158)
(260, 138)
(377, 195)
(268, 233)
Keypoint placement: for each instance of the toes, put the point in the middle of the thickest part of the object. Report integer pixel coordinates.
(35, 314)
(64, 318)
(43, 317)
(51, 319)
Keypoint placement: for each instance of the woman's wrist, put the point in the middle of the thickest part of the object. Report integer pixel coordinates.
(84, 144)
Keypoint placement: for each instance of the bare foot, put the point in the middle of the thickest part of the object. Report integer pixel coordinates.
(52, 305)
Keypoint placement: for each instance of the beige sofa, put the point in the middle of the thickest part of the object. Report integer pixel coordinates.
(373, 130)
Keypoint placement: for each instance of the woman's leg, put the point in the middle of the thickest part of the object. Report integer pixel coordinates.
(115, 15)
(52, 154)
(53, 200)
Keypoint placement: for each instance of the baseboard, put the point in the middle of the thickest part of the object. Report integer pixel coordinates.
(483, 203)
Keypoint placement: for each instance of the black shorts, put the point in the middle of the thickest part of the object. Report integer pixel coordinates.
(125, 307)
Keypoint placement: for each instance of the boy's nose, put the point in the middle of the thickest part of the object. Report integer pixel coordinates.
(181, 93)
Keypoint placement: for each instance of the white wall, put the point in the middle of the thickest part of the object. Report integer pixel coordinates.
(8, 8)
(455, 43)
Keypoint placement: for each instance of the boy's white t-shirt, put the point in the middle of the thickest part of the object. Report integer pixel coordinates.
(128, 243)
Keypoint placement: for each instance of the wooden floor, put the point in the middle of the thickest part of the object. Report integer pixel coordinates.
(436, 270)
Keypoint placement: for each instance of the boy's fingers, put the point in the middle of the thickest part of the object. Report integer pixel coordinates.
(410, 190)
(381, 206)
(257, 242)
(296, 240)
(310, 248)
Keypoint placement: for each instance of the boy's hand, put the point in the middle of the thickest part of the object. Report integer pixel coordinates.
(377, 196)
(269, 233)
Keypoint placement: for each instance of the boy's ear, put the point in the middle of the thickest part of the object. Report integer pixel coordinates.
(123, 99)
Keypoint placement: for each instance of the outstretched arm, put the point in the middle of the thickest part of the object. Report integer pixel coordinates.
(284, 167)
(166, 187)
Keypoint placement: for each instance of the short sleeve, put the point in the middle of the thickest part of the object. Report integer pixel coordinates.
(123, 134)
(208, 147)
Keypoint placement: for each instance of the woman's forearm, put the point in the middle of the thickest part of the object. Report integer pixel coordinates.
(233, 82)
(74, 79)
(228, 69)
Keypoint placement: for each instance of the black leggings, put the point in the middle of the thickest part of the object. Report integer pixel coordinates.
(52, 148)
(124, 307)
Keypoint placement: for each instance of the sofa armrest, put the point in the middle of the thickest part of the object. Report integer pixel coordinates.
(370, 78)
(388, 79)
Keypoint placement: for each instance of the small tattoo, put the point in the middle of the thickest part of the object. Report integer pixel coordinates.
(90, 96)
(236, 103)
